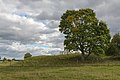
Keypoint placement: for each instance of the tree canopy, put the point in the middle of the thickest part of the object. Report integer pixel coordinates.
(27, 55)
(84, 32)
(114, 48)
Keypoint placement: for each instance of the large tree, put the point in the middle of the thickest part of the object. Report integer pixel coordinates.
(84, 32)
(114, 48)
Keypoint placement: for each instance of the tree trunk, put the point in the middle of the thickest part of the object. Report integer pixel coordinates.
(88, 54)
(83, 57)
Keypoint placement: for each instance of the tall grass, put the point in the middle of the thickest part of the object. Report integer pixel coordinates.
(67, 60)
(61, 67)
(60, 73)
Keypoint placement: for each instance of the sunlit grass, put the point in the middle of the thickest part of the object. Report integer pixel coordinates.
(60, 73)
(61, 67)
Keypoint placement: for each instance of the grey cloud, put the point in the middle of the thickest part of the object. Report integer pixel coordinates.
(49, 15)
(47, 12)
(52, 10)
(48, 31)
(57, 41)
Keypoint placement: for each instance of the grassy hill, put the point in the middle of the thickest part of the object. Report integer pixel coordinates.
(59, 60)
(67, 60)
(62, 67)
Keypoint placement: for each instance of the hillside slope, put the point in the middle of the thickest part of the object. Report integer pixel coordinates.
(58, 60)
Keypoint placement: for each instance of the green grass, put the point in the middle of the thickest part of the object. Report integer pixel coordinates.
(60, 73)
(61, 67)
(60, 60)
(68, 60)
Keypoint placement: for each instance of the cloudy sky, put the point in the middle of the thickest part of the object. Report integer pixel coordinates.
(32, 25)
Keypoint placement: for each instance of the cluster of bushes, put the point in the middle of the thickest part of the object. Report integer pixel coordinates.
(27, 55)
(114, 47)
(5, 59)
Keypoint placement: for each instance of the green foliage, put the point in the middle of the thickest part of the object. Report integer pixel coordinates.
(4, 59)
(9, 60)
(94, 59)
(114, 48)
(27, 55)
(13, 59)
(84, 32)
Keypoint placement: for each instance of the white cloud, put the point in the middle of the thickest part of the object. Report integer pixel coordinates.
(19, 47)
(36, 22)
(16, 28)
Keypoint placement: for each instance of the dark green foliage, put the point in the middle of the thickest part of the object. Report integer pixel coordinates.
(4, 59)
(84, 32)
(27, 55)
(13, 59)
(9, 60)
(94, 59)
(114, 48)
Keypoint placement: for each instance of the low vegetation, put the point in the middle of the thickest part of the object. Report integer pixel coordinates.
(62, 67)
(61, 73)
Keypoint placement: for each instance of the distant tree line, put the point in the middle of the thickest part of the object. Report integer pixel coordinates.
(27, 55)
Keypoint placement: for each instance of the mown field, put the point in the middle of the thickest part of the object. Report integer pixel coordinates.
(63, 67)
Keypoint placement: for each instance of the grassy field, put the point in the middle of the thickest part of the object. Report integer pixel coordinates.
(62, 67)
(61, 73)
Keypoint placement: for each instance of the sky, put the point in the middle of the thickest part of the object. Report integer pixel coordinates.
(32, 25)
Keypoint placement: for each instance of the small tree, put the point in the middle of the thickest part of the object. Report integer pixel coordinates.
(4, 59)
(84, 32)
(27, 55)
(114, 48)
(13, 59)
(9, 60)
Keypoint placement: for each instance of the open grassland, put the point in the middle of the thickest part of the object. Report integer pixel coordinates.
(61, 73)
(61, 67)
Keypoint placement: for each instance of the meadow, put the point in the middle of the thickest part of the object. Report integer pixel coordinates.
(61, 67)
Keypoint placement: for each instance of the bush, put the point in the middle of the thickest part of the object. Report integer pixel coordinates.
(27, 55)
(114, 48)
(93, 59)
